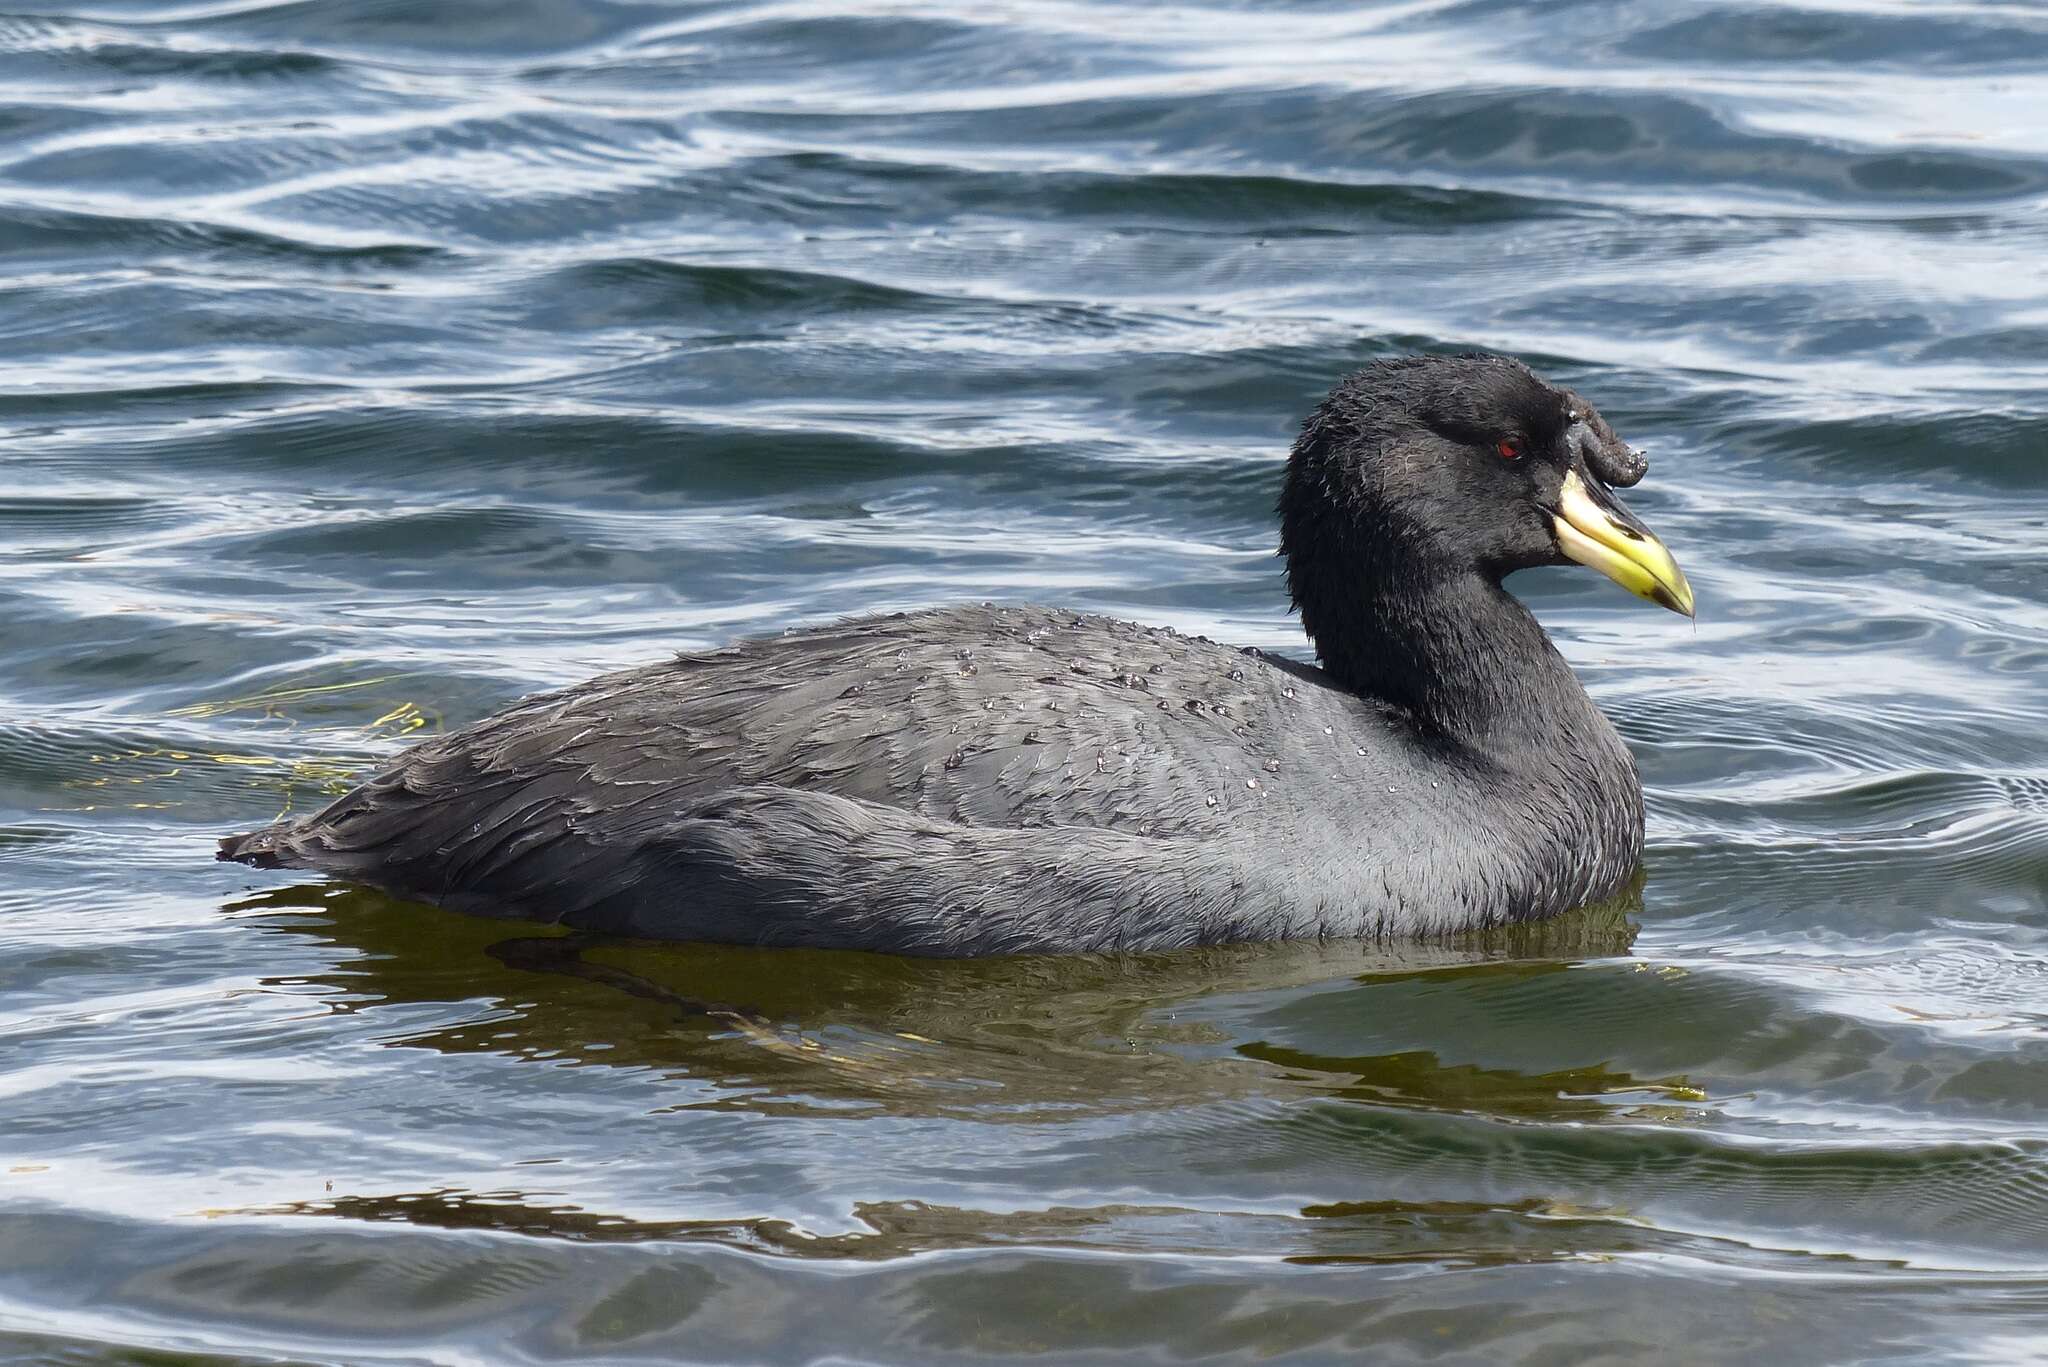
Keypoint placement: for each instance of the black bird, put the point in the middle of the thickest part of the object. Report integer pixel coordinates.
(994, 780)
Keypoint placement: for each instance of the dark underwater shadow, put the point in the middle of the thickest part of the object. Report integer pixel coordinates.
(1027, 1038)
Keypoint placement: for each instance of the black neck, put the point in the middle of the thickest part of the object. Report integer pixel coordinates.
(1452, 648)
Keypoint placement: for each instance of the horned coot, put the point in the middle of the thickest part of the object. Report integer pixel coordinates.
(995, 780)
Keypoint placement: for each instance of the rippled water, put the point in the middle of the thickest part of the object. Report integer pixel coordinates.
(371, 363)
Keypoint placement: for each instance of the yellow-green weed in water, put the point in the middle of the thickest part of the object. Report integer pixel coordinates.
(330, 774)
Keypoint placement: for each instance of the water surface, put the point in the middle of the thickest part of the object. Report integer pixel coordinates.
(368, 365)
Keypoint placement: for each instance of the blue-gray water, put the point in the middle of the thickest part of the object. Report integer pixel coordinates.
(369, 363)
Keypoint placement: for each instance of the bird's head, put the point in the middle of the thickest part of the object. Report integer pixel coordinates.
(1426, 466)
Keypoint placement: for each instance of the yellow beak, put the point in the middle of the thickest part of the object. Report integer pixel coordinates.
(1594, 529)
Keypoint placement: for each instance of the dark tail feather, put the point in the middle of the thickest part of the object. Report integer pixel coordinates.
(269, 848)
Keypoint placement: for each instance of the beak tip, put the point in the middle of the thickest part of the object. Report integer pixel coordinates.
(1679, 601)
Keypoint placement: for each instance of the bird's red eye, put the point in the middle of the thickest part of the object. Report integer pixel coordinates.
(1510, 448)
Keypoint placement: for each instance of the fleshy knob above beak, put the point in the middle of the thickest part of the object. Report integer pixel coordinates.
(1613, 461)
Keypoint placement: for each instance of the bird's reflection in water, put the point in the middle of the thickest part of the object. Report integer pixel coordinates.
(993, 1039)
(837, 1036)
